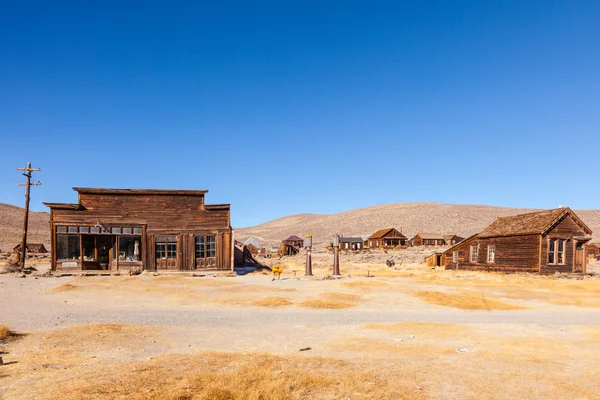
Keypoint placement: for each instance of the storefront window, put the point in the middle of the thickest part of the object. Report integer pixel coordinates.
(130, 248)
(200, 247)
(211, 246)
(89, 245)
(68, 247)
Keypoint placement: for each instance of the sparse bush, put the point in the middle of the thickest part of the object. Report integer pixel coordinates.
(5, 332)
(135, 271)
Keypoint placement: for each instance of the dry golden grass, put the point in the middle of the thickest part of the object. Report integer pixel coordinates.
(371, 346)
(325, 304)
(272, 302)
(366, 285)
(67, 287)
(465, 301)
(337, 296)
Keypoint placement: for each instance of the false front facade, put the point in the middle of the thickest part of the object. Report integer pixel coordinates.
(122, 229)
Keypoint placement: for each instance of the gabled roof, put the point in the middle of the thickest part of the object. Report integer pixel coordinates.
(253, 241)
(531, 223)
(382, 232)
(293, 238)
(351, 239)
(449, 237)
(433, 236)
(32, 246)
(459, 244)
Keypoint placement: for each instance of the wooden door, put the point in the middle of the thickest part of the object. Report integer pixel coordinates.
(578, 265)
(166, 255)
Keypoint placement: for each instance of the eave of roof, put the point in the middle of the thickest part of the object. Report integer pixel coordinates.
(166, 192)
(63, 206)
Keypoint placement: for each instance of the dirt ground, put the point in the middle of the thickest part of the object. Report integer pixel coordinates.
(409, 332)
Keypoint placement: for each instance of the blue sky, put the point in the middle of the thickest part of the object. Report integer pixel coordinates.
(283, 107)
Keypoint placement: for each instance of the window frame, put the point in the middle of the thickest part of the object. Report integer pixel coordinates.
(455, 256)
(474, 254)
(555, 255)
(491, 253)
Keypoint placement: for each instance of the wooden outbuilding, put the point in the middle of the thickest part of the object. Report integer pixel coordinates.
(544, 242)
(35, 248)
(291, 246)
(593, 250)
(427, 239)
(351, 243)
(387, 238)
(451, 240)
(154, 230)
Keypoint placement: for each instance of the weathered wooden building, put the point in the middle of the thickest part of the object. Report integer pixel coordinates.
(121, 229)
(291, 246)
(351, 243)
(427, 239)
(35, 248)
(593, 250)
(451, 240)
(544, 242)
(386, 239)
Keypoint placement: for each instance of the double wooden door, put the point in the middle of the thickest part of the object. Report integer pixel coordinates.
(166, 254)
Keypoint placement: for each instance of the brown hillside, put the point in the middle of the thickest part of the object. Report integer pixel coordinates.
(411, 218)
(11, 227)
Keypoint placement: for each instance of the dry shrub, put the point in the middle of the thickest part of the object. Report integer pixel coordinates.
(336, 296)
(365, 285)
(5, 332)
(218, 376)
(67, 287)
(272, 302)
(465, 301)
(325, 304)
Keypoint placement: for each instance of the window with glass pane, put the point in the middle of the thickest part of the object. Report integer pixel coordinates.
(126, 231)
(115, 231)
(72, 229)
(211, 246)
(61, 229)
(455, 256)
(161, 251)
(560, 246)
(171, 250)
(200, 253)
(84, 229)
(130, 248)
(89, 246)
(95, 229)
(137, 231)
(491, 253)
(474, 254)
(68, 247)
(552, 252)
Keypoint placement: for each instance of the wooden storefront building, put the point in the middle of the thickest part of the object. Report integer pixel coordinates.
(154, 230)
(544, 242)
(387, 238)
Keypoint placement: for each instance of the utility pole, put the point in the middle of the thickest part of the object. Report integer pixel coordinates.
(28, 185)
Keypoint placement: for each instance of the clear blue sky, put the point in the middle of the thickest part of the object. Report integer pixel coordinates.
(286, 107)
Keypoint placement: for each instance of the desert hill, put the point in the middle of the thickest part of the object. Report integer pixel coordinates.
(11, 227)
(410, 218)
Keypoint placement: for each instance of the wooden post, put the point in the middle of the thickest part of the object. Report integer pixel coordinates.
(26, 219)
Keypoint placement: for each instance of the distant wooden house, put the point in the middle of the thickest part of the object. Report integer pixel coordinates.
(351, 243)
(252, 249)
(451, 240)
(593, 250)
(291, 246)
(427, 239)
(253, 241)
(386, 239)
(35, 248)
(262, 252)
(544, 242)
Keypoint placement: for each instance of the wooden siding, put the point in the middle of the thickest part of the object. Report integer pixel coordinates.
(513, 253)
(464, 255)
(565, 230)
(181, 216)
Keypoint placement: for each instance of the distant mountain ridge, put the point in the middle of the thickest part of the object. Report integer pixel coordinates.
(410, 218)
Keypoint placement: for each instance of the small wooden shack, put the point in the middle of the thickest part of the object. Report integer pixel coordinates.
(593, 250)
(544, 242)
(351, 243)
(121, 229)
(291, 246)
(451, 240)
(35, 248)
(387, 238)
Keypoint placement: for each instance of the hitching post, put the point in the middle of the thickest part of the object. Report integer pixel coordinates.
(336, 254)
(308, 255)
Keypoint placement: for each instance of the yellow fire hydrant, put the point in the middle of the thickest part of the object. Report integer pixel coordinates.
(277, 270)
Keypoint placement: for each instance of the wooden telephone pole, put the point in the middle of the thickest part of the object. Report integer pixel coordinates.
(28, 185)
